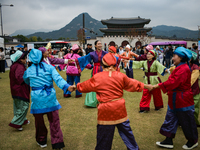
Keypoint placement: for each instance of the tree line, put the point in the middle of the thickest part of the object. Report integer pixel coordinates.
(23, 38)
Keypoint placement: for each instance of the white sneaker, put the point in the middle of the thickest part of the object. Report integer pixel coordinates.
(19, 129)
(165, 145)
(28, 122)
(190, 147)
(42, 146)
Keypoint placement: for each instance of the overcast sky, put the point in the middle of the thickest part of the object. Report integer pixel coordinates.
(55, 14)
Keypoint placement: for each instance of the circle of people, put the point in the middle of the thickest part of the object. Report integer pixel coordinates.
(105, 91)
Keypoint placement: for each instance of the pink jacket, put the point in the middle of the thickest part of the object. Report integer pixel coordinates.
(72, 69)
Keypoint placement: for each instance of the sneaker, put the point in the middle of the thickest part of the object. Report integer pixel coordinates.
(167, 143)
(19, 129)
(26, 122)
(190, 145)
(42, 146)
(143, 111)
(67, 95)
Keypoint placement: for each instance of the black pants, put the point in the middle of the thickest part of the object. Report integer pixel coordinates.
(129, 73)
(163, 62)
(2, 66)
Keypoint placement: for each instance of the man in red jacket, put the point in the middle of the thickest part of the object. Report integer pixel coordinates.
(19, 90)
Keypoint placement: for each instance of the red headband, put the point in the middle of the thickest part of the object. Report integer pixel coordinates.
(152, 53)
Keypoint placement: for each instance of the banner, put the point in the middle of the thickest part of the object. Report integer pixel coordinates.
(30, 46)
(199, 45)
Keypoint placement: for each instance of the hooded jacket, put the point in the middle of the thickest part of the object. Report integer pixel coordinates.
(40, 77)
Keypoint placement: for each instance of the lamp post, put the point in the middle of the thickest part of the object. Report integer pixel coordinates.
(11, 5)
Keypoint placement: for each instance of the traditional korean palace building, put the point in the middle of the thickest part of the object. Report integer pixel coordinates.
(121, 26)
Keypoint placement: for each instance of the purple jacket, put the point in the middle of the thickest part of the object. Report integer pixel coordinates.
(19, 89)
(54, 61)
(142, 57)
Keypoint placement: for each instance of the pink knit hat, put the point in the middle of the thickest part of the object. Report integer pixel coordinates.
(75, 47)
(149, 47)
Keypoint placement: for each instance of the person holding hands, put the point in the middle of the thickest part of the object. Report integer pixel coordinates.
(180, 102)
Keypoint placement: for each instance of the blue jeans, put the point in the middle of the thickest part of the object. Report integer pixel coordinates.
(71, 80)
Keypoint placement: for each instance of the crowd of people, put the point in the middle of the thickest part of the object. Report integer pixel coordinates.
(105, 89)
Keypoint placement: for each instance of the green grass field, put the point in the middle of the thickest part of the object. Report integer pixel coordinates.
(78, 123)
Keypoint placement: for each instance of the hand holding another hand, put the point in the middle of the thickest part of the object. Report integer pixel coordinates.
(125, 61)
(72, 88)
(149, 87)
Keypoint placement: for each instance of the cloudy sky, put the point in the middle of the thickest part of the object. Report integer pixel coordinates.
(55, 14)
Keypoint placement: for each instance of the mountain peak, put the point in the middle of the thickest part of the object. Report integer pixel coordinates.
(70, 30)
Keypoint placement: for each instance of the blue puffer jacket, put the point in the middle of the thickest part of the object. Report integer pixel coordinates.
(40, 77)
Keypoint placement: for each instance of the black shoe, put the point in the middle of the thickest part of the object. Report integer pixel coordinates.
(190, 145)
(167, 143)
(143, 111)
(157, 109)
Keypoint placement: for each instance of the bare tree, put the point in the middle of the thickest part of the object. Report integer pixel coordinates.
(145, 37)
(131, 34)
(149, 37)
(81, 36)
(142, 36)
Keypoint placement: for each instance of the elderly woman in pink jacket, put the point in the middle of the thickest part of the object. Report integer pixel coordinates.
(72, 72)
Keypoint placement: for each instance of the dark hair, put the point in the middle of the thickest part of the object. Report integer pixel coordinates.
(24, 56)
(88, 44)
(95, 43)
(1, 48)
(195, 47)
(184, 59)
(193, 44)
(75, 52)
(104, 65)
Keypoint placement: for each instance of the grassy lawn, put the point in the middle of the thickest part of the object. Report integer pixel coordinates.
(78, 123)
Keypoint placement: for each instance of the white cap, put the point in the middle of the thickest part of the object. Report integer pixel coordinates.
(158, 47)
(128, 46)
